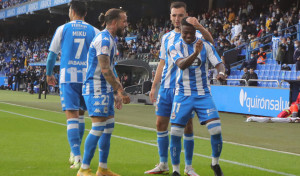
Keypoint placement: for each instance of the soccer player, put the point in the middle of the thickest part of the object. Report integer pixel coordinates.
(166, 73)
(72, 40)
(99, 89)
(191, 54)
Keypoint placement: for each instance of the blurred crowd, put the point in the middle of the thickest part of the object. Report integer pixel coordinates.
(9, 3)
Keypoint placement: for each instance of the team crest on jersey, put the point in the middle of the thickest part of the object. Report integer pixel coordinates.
(173, 53)
(105, 38)
(97, 103)
(197, 62)
(104, 50)
(173, 115)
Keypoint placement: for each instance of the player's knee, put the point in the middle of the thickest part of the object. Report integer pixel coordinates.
(177, 130)
(162, 123)
(189, 127)
(110, 126)
(214, 127)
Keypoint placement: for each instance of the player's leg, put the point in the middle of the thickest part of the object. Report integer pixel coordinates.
(209, 116)
(81, 124)
(98, 125)
(104, 141)
(70, 100)
(163, 111)
(188, 143)
(180, 116)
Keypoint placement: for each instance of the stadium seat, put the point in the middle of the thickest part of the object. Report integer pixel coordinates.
(271, 75)
(266, 74)
(293, 75)
(298, 74)
(293, 67)
(282, 75)
(267, 67)
(276, 75)
(259, 66)
(264, 84)
(287, 75)
(273, 67)
(274, 84)
(278, 67)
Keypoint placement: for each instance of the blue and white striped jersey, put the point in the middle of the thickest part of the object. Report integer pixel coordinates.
(193, 80)
(95, 83)
(73, 40)
(170, 69)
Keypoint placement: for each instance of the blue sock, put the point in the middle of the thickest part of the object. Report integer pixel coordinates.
(188, 143)
(73, 136)
(81, 127)
(104, 142)
(175, 145)
(163, 145)
(216, 145)
(91, 143)
(215, 131)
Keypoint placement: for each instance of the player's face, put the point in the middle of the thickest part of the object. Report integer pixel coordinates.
(177, 15)
(188, 34)
(121, 24)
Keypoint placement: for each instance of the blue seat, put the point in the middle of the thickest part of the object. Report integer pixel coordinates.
(267, 67)
(269, 84)
(259, 83)
(263, 67)
(298, 74)
(278, 67)
(282, 75)
(285, 85)
(259, 67)
(264, 84)
(276, 75)
(293, 67)
(271, 75)
(256, 71)
(274, 84)
(266, 74)
(293, 75)
(287, 75)
(273, 67)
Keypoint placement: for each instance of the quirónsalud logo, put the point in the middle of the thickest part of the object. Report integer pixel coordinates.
(265, 102)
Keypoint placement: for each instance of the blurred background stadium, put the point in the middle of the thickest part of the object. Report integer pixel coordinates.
(239, 28)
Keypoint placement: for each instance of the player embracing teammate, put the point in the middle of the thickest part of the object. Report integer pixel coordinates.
(184, 89)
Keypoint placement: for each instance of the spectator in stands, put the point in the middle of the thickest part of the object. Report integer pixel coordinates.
(245, 76)
(297, 55)
(290, 51)
(251, 63)
(252, 75)
(261, 56)
(281, 52)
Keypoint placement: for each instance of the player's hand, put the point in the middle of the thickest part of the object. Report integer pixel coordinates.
(51, 80)
(221, 77)
(199, 46)
(152, 96)
(124, 96)
(194, 21)
(118, 102)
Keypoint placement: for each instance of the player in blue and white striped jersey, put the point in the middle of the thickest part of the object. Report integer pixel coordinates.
(166, 73)
(98, 91)
(192, 54)
(72, 40)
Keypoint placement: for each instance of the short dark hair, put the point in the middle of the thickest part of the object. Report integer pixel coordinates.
(110, 15)
(79, 7)
(177, 5)
(185, 23)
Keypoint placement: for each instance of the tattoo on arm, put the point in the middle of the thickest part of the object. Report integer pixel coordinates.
(107, 72)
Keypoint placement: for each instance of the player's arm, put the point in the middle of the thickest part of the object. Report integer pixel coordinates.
(184, 63)
(49, 68)
(206, 35)
(110, 77)
(157, 79)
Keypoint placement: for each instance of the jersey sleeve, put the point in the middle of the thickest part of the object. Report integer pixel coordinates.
(212, 54)
(199, 34)
(175, 53)
(162, 52)
(102, 45)
(56, 40)
(97, 31)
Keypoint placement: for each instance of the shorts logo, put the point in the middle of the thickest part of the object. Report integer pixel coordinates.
(96, 103)
(173, 116)
(62, 99)
(105, 38)
(97, 110)
(210, 111)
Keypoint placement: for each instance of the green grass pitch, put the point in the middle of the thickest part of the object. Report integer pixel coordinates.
(33, 142)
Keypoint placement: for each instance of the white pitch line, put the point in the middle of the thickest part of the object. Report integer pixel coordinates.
(153, 129)
(151, 144)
